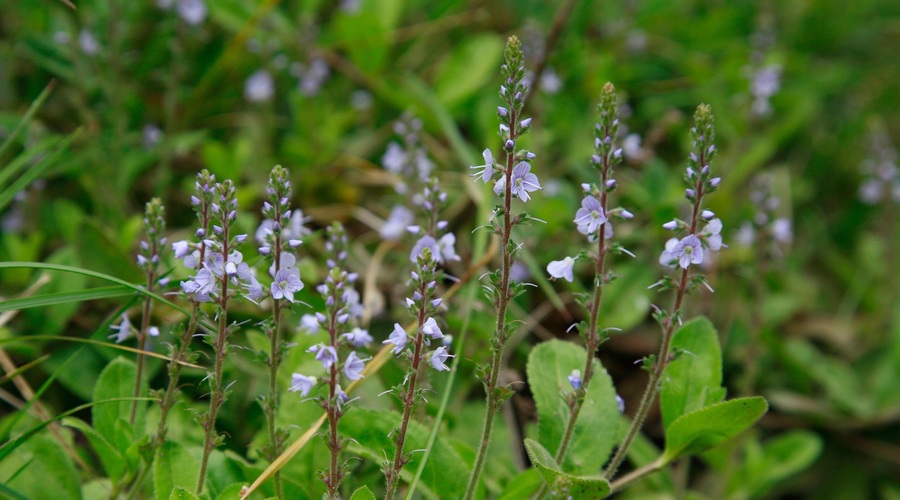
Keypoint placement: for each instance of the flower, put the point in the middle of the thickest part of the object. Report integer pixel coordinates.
(192, 12)
(396, 223)
(123, 330)
(487, 170)
(325, 354)
(394, 158)
(259, 87)
(310, 323)
(687, 251)
(438, 357)
(423, 243)
(398, 338)
(562, 268)
(620, 403)
(358, 337)
(353, 367)
(781, 230)
(711, 234)
(287, 281)
(575, 379)
(446, 248)
(302, 384)
(431, 329)
(590, 216)
(523, 182)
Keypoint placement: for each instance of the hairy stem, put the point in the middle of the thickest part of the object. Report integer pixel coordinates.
(493, 397)
(175, 373)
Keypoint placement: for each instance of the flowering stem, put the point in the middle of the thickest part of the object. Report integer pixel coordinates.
(217, 394)
(494, 397)
(333, 410)
(142, 342)
(175, 373)
(274, 364)
(409, 399)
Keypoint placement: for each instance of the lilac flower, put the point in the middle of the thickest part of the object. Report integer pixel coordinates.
(523, 182)
(353, 367)
(432, 329)
(192, 12)
(358, 337)
(153, 331)
(620, 403)
(123, 330)
(438, 357)
(286, 261)
(781, 230)
(88, 43)
(259, 87)
(398, 338)
(287, 282)
(562, 269)
(394, 158)
(302, 384)
(310, 323)
(325, 354)
(590, 216)
(711, 234)
(487, 170)
(396, 223)
(687, 251)
(181, 249)
(425, 242)
(575, 379)
(446, 248)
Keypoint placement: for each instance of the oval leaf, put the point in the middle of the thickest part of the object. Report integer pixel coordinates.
(549, 365)
(694, 380)
(561, 484)
(704, 429)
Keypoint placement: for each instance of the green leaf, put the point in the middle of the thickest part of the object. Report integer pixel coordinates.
(110, 457)
(445, 471)
(562, 484)
(780, 458)
(35, 171)
(523, 486)
(110, 420)
(40, 468)
(693, 381)
(173, 467)
(704, 429)
(468, 69)
(182, 493)
(363, 493)
(595, 434)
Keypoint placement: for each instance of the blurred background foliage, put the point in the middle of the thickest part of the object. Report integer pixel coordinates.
(144, 94)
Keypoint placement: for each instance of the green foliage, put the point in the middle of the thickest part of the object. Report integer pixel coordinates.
(111, 420)
(596, 432)
(445, 472)
(40, 469)
(362, 493)
(561, 483)
(693, 380)
(706, 428)
(174, 467)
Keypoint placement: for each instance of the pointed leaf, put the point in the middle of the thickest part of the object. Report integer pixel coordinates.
(693, 381)
(704, 429)
(181, 493)
(110, 457)
(363, 493)
(116, 381)
(562, 484)
(445, 470)
(595, 434)
(40, 469)
(173, 467)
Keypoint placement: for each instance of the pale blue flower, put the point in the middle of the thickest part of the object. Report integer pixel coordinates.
(325, 354)
(259, 87)
(302, 384)
(687, 251)
(432, 329)
(711, 234)
(438, 358)
(399, 219)
(562, 268)
(398, 338)
(123, 330)
(590, 216)
(575, 379)
(523, 182)
(358, 337)
(287, 282)
(487, 170)
(310, 323)
(353, 367)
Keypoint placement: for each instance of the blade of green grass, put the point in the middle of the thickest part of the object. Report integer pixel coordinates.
(36, 170)
(23, 368)
(35, 106)
(50, 299)
(99, 343)
(17, 441)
